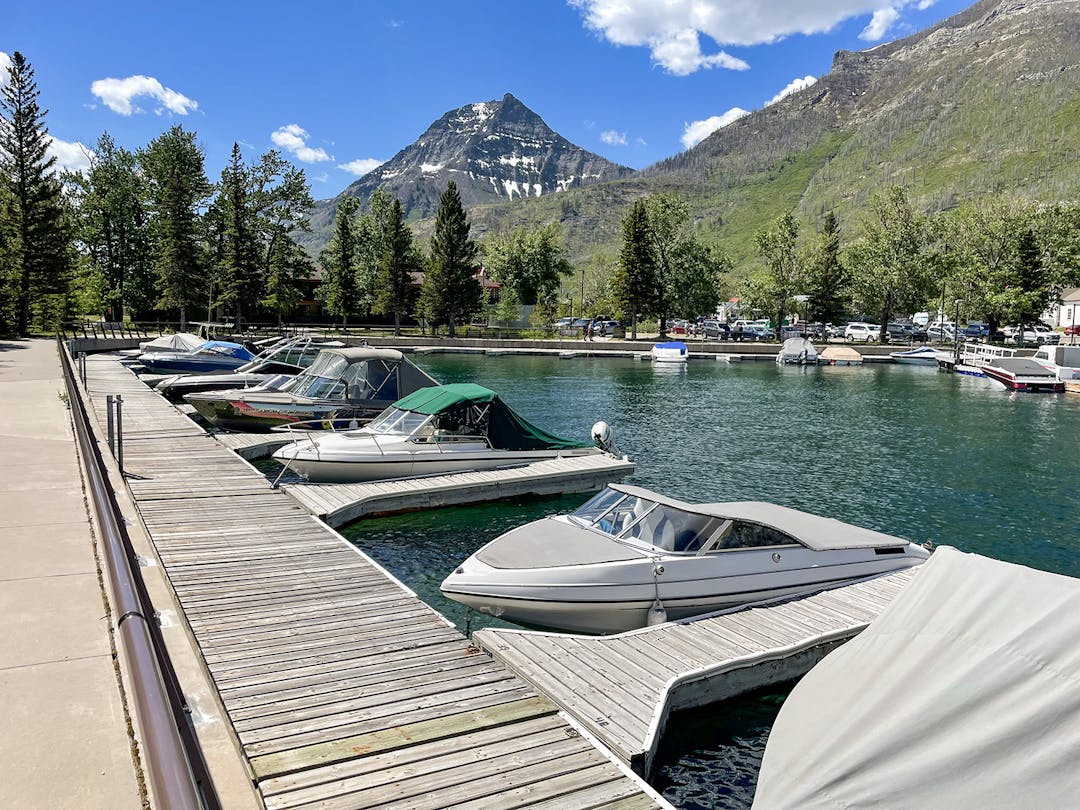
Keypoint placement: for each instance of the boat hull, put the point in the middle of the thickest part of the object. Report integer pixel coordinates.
(620, 608)
(248, 414)
(1027, 385)
(388, 466)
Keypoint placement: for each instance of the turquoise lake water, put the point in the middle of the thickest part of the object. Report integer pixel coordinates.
(904, 450)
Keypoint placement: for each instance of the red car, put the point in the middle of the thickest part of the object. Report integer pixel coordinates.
(1073, 330)
(678, 328)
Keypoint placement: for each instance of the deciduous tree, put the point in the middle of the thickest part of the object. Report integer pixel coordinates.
(783, 276)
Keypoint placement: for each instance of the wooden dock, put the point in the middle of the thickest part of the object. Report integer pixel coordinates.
(253, 446)
(338, 504)
(342, 688)
(622, 688)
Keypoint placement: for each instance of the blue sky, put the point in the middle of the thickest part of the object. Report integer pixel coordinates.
(339, 87)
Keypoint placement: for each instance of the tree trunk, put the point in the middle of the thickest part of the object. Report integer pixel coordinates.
(397, 324)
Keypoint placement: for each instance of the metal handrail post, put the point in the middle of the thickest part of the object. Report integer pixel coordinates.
(120, 433)
(111, 427)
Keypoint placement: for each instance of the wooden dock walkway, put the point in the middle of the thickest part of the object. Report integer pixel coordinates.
(339, 504)
(344, 690)
(253, 446)
(622, 688)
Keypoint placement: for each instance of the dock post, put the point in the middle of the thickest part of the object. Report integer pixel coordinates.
(120, 433)
(82, 367)
(111, 433)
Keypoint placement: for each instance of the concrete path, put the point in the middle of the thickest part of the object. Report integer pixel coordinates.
(63, 736)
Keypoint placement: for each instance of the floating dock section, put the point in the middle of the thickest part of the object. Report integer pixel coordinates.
(622, 688)
(342, 688)
(338, 504)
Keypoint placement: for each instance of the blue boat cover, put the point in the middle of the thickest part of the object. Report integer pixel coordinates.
(674, 344)
(226, 348)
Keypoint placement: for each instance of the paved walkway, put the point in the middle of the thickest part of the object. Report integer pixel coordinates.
(63, 738)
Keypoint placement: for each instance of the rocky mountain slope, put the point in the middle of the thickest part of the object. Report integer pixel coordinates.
(495, 151)
(985, 102)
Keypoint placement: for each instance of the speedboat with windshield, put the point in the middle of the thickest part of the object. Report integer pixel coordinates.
(210, 357)
(922, 356)
(445, 428)
(278, 364)
(631, 557)
(351, 384)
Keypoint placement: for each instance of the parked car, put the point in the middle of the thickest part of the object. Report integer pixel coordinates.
(715, 330)
(833, 330)
(865, 332)
(939, 332)
(562, 323)
(975, 330)
(1074, 329)
(1033, 333)
(900, 332)
(609, 329)
(679, 327)
(755, 331)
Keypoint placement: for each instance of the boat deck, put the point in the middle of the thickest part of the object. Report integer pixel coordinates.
(622, 688)
(338, 504)
(343, 688)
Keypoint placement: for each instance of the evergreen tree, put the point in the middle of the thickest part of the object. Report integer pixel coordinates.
(177, 190)
(451, 293)
(38, 243)
(238, 264)
(825, 279)
(395, 292)
(635, 281)
(338, 290)
(283, 199)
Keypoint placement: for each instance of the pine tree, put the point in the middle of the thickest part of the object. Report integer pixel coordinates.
(39, 253)
(636, 280)
(239, 269)
(451, 293)
(338, 290)
(825, 274)
(177, 184)
(283, 199)
(395, 293)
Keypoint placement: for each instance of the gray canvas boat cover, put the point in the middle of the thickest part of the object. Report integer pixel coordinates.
(963, 693)
(813, 531)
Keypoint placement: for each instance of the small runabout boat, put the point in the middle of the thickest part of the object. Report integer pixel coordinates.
(631, 557)
(922, 356)
(210, 357)
(441, 429)
(672, 352)
(840, 356)
(1023, 374)
(797, 351)
(174, 342)
(340, 384)
(277, 364)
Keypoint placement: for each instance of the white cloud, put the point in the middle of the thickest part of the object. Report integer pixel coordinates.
(361, 166)
(321, 178)
(794, 86)
(923, 5)
(293, 139)
(118, 94)
(880, 24)
(71, 156)
(672, 29)
(5, 63)
(697, 131)
(613, 138)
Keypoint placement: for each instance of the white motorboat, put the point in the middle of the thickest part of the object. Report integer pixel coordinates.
(671, 352)
(631, 557)
(840, 356)
(1064, 361)
(797, 351)
(1023, 374)
(440, 429)
(922, 356)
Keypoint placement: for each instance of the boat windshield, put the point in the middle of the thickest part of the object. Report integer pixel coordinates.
(322, 379)
(395, 420)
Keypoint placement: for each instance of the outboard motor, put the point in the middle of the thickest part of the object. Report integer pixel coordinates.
(604, 438)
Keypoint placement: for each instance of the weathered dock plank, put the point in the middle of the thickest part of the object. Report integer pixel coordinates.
(339, 504)
(334, 676)
(623, 687)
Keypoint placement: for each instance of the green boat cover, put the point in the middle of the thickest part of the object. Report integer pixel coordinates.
(507, 430)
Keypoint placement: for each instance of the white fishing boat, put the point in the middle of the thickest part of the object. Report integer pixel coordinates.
(631, 557)
(922, 356)
(440, 429)
(797, 351)
(672, 352)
